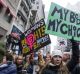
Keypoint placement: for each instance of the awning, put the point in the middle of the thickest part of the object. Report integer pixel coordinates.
(3, 2)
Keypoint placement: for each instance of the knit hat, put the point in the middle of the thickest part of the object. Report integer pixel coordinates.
(57, 52)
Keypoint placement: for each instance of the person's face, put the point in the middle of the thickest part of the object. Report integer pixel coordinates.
(57, 60)
(27, 59)
(20, 60)
(66, 57)
(4, 60)
(48, 58)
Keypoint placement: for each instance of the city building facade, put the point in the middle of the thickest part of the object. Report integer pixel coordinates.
(16, 16)
(7, 15)
(36, 13)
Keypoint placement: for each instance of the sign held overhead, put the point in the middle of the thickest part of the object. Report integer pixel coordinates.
(35, 37)
(63, 22)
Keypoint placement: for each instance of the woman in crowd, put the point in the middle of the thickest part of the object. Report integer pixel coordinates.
(56, 66)
(19, 64)
(31, 64)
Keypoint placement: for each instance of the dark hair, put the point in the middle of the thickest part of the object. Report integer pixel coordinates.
(9, 57)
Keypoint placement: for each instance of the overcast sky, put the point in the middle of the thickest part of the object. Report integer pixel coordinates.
(62, 3)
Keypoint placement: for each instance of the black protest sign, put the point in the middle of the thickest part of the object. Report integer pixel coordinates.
(35, 37)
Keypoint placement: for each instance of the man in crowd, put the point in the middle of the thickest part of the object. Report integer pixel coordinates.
(8, 67)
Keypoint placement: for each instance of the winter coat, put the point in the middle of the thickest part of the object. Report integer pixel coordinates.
(52, 69)
(19, 69)
(30, 69)
(64, 68)
(8, 69)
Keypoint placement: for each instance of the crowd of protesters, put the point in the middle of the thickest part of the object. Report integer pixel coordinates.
(55, 63)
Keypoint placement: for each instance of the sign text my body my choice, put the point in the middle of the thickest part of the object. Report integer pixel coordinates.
(63, 22)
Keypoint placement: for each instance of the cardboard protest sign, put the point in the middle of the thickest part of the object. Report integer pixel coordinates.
(35, 37)
(63, 22)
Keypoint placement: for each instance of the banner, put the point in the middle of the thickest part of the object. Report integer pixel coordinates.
(35, 37)
(63, 22)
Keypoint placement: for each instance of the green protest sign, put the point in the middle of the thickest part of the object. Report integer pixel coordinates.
(63, 22)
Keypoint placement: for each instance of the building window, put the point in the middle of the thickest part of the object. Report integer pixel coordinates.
(37, 7)
(1, 7)
(22, 4)
(16, 30)
(37, 3)
(8, 16)
(33, 1)
(2, 32)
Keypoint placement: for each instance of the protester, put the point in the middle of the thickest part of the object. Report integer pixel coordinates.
(66, 57)
(4, 60)
(56, 66)
(41, 62)
(19, 64)
(26, 62)
(35, 67)
(31, 64)
(48, 58)
(14, 57)
(8, 67)
(9, 58)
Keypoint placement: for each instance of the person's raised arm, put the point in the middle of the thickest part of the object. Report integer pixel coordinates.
(75, 55)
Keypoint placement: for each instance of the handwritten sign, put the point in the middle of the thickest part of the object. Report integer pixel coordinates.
(35, 37)
(63, 22)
